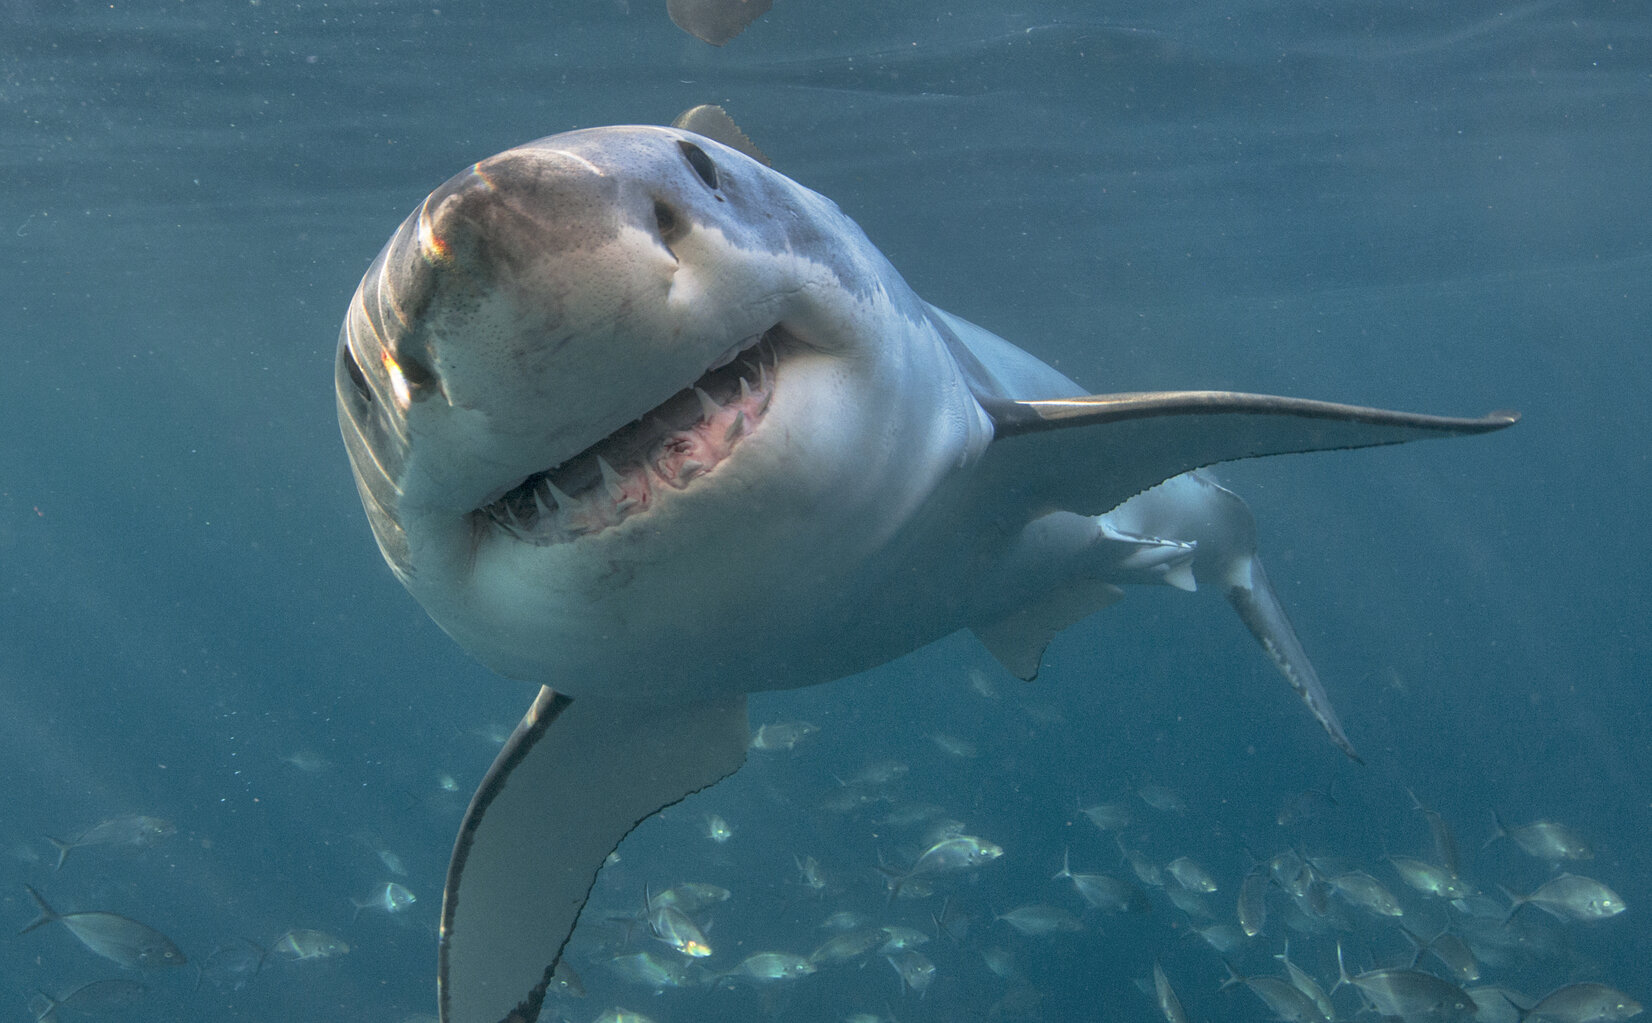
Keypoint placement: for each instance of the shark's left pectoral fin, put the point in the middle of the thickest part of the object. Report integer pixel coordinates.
(1088, 454)
(573, 779)
(1017, 641)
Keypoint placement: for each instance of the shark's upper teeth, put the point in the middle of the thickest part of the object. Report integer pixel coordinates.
(673, 445)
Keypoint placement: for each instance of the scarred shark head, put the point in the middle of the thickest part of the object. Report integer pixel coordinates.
(605, 392)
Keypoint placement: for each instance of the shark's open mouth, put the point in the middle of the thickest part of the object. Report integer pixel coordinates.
(667, 448)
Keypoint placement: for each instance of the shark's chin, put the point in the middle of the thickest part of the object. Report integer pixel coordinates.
(663, 451)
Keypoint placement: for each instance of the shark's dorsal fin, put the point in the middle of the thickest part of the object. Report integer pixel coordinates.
(714, 123)
(1091, 453)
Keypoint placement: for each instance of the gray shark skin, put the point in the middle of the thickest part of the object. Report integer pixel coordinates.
(646, 423)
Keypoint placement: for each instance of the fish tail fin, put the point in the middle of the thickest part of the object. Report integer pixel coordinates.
(1498, 830)
(1234, 977)
(49, 1013)
(1516, 900)
(63, 849)
(47, 913)
(1342, 973)
(263, 955)
(356, 912)
(1066, 865)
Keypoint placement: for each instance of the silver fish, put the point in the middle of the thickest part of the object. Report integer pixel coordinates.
(1190, 875)
(1169, 1004)
(847, 947)
(645, 969)
(389, 897)
(1571, 896)
(1108, 816)
(130, 830)
(768, 967)
(1545, 840)
(672, 926)
(1409, 993)
(1305, 983)
(1357, 888)
(302, 943)
(1163, 798)
(1430, 879)
(114, 937)
(1285, 1001)
(96, 998)
(1037, 920)
(947, 856)
(1253, 902)
(691, 896)
(915, 970)
(1103, 891)
(1445, 843)
(1587, 1002)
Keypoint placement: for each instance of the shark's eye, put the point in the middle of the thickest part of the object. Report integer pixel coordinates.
(356, 376)
(701, 163)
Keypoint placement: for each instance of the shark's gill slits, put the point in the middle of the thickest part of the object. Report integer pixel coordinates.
(666, 449)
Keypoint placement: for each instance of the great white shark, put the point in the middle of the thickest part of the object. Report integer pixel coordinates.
(640, 420)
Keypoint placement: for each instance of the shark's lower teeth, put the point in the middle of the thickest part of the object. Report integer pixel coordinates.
(669, 448)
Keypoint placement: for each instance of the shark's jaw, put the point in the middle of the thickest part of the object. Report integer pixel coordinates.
(666, 450)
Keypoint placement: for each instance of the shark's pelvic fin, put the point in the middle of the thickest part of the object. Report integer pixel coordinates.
(573, 779)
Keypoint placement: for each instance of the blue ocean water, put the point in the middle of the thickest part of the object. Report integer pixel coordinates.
(1438, 208)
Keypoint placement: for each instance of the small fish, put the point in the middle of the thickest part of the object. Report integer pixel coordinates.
(672, 926)
(1571, 896)
(717, 829)
(1253, 902)
(1037, 920)
(1285, 1001)
(447, 783)
(566, 982)
(1190, 875)
(1544, 840)
(769, 967)
(1305, 983)
(1587, 1002)
(231, 967)
(948, 856)
(1224, 938)
(1102, 891)
(809, 873)
(1108, 816)
(94, 999)
(390, 898)
(982, 683)
(1306, 807)
(300, 944)
(1430, 879)
(691, 896)
(307, 762)
(1409, 993)
(953, 746)
(1358, 888)
(1445, 843)
(843, 920)
(898, 938)
(1169, 1004)
(618, 1015)
(1191, 903)
(1162, 798)
(1450, 950)
(1497, 1005)
(645, 969)
(878, 772)
(914, 969)
(392, 863)
(129, 830)
(1146, 871)
(847, 947)
(120, 940)
(782, 735)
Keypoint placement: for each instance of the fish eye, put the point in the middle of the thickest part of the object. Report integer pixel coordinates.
(701, 163)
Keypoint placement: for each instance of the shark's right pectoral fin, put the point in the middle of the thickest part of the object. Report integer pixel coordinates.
(1091, 453)
(573, 779)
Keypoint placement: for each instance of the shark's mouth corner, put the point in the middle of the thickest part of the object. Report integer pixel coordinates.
(664, 450)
